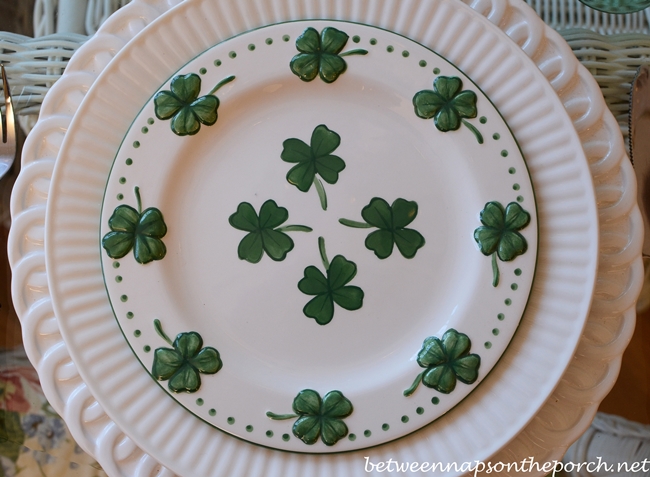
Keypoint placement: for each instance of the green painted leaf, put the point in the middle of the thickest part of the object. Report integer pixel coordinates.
(445, 361)
(262, 234)
(307, 429)
(466, 368)
(319, 418)
(324, 141)
(335, 405)
(320, 308)
(313, 159)
(166, 362)
(245, 218)
(331, 67)
(305, 66)
(271, 215)
(319, 55)
(314, 282)
(183, 364)
(330, 289)
(186, 88)
(205, 109)
(117, 244)
(251, 248)
(307, 402)
(333, 40)
(141, 232)
(333, 430)
(391, 220)
(446, 103)
(184, 107)
(500, 231)
(341, 272)
(350, 298)
(185, 380)
(441, 378)
(432, 353)
(167, 105)
(308, 41)
(188, 344)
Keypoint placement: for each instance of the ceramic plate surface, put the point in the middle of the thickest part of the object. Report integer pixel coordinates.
(357, 226)
(542, 129)
(540, 338)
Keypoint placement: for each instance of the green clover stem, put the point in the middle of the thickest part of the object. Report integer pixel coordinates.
(471, 127)
(495, 270)
(280, 417)
(321, 192)
(137, 196)
(355, 224)
(415, 384)
(221, 83)
(159, 330)
(323, 253)
(294, 228)
(358, 51)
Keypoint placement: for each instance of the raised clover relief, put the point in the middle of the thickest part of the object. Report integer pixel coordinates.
(318, 417)
(499, 235)
(137, 230)
(320, 55)
(448, 104)
(446, 361)
(183, 363)
(184, 107)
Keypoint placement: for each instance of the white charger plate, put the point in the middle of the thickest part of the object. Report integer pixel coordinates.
(623, 297)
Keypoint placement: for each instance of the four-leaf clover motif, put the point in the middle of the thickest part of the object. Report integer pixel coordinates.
(446, 361)
(312, 160)
(320, 55)
(183, 364)
(318, 417)
(184, 106)
(499, 235)
(330, 289)
(264, 231)
(448, 105)
(391, 222)
(137, 230)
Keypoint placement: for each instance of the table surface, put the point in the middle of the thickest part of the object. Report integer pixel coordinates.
(629, 398)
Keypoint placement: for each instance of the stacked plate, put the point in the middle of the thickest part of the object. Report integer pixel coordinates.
(308, 238)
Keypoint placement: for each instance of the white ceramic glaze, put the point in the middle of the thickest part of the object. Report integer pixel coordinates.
(606, 332)
(250, 309)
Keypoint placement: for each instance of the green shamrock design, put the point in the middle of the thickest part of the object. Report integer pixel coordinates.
(137, 230)
(318, 417)
(447, 105)
(315, 158)
(499, 235)
(330, 289)
(446, 361)
(391, 222)
(320, 55)
(183, 364)
(184, 106)
(264, 233)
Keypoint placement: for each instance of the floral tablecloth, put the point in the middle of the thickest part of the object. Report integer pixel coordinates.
(34, 440)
